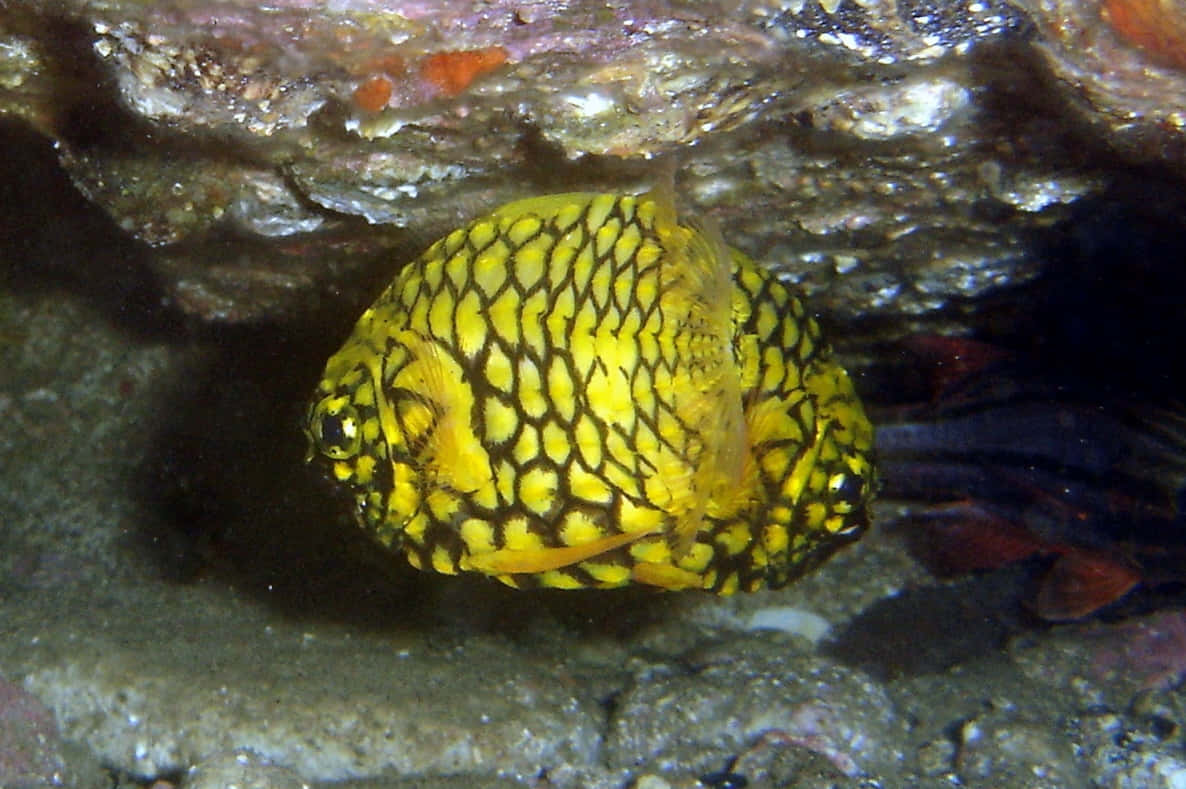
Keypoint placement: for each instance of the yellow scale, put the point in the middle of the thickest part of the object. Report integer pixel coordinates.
(578, 390)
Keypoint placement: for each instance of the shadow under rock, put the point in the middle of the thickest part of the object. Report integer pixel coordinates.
(51, 237)
(1108, 304)
(234, 496)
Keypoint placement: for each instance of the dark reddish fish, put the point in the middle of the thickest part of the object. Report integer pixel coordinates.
(1007, 465)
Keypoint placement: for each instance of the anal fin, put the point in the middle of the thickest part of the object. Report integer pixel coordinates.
(507, 561)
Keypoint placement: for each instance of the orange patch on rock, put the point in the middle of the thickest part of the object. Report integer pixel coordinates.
(1156, 26)
(452, 72)
(373, 94)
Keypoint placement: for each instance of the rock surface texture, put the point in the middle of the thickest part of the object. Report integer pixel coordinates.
(891, 156)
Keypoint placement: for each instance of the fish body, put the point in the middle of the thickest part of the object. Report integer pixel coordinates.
(580, 391)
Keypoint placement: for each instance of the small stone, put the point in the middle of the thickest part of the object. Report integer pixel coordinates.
(241, 769)
(999, 747)
(937, 757)
(651, 782)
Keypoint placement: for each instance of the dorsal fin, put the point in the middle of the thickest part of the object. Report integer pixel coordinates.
(697, 277)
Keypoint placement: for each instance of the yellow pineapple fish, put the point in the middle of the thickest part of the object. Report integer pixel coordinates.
(579, 390)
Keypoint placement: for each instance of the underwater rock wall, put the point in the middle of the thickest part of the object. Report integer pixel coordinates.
(891, 156)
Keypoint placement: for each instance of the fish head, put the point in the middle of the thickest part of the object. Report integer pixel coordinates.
(351, 431)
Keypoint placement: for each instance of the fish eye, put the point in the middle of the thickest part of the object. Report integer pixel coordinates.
(846, 487)
(334, 425)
